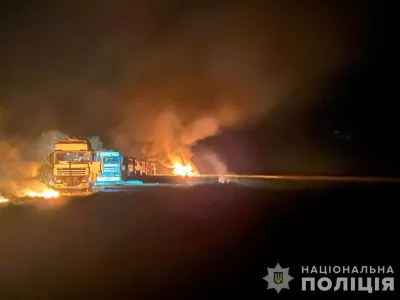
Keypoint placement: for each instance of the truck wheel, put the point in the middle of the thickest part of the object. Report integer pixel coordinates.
(90, 189)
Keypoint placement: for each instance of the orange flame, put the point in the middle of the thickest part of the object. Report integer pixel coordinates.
(181, 170)
(48, 194)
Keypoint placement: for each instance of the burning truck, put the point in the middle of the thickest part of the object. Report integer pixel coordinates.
(117, 168)
(74, 166)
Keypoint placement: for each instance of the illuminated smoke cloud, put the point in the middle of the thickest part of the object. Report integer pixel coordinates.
(223, 69)
(160, 76)
(15, 173)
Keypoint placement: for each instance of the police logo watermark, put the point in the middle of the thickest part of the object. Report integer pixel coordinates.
(278, 278)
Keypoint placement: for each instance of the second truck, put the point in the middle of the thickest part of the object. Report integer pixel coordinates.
(117, 168)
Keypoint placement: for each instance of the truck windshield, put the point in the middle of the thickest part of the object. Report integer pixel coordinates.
(76, 157)
(111, 159)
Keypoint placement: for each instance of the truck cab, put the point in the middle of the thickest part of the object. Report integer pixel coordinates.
(111, 166)
(73, 165)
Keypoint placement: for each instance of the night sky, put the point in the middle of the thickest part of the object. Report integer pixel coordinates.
(273, 86)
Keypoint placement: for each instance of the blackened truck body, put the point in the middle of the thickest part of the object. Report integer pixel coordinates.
(134, 167)
(117, 167)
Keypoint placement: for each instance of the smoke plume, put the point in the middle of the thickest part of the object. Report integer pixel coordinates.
(159, 76)
(223, 69)
(16, 175)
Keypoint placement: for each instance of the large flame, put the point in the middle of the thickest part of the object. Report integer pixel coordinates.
(181, 170)
(47, 193)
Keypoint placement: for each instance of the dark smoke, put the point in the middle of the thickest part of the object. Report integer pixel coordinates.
(226, 68)
(158, 76)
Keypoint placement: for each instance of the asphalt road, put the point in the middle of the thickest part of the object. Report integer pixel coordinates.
(210, 241)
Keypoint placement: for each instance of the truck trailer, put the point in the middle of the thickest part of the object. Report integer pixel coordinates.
(136, 167)
(117, 168)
